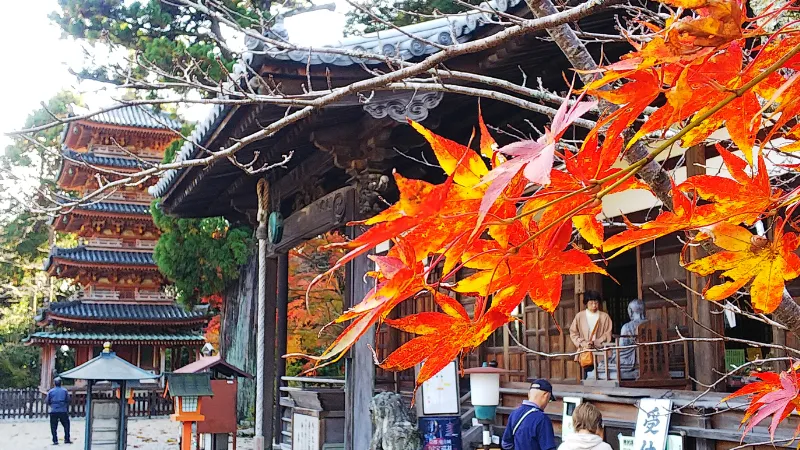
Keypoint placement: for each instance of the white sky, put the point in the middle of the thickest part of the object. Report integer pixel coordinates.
(37, 59)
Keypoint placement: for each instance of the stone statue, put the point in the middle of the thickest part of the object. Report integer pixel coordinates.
(628, 357)
(394, 426)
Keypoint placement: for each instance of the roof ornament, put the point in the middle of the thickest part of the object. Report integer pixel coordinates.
(107, 347)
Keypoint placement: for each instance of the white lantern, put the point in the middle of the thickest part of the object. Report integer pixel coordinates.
(484, 385)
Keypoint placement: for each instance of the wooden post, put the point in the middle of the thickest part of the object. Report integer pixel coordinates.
(359, 367)
(281, 337)
(269, 352)
(708, 358)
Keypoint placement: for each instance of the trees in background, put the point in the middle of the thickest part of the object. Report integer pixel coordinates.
(308, 316)
(199, 256)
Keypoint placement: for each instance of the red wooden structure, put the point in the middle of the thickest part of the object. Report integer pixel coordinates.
(219, 410)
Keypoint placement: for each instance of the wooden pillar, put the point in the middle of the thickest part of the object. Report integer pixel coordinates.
(281, 337)
(269, 352)
(707, 358)
(359, 366)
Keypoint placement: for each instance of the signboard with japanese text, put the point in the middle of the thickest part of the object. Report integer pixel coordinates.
(652, 424)
(440, 433)
(674, 442)
(305, 432)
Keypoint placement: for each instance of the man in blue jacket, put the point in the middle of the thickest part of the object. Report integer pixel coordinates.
(58, 400)
(528, 427)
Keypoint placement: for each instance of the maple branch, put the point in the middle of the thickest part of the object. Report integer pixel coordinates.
(788, 311)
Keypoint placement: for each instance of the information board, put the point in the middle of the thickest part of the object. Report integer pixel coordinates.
(440, 393)
(305, 432)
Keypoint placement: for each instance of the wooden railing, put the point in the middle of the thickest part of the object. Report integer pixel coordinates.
(150, 295)
(101, 294)
(146, 243)
(30, 403)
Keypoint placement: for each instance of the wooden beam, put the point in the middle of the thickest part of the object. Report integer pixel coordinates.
(707, 357)
(315, 165)
(324, 214)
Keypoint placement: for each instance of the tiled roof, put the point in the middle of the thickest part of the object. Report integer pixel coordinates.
(137, 116)
(405, 43)
(81, 254)
(104, 161)
(188, 150)
(445, 31)
(127, 337)
(118, 208)
(123, 312)
(114, 208)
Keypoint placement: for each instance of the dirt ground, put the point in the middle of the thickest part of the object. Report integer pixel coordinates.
(143, 434)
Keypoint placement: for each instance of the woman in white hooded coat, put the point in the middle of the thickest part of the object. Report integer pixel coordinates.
(588, 424)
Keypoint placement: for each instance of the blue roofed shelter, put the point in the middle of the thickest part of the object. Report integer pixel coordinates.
(106, 419)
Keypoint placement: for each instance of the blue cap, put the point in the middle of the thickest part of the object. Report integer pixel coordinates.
(543, 385)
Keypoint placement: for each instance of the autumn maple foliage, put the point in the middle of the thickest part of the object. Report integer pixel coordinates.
(512, 214)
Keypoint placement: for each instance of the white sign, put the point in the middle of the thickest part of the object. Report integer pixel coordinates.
(652, 424)
(440, 393)
(570, 403)
(625, 442)
(305, 432)
(674, 442)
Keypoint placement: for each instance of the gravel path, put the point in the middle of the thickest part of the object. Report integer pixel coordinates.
(143, 434)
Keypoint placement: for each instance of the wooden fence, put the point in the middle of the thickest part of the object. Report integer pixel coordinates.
(30, 404)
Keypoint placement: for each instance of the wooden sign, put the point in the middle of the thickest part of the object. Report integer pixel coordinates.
(305, 432)
(652, 424)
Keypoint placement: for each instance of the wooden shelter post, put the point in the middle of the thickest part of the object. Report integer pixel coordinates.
(707, 357)
(359, 365)
(281, 336)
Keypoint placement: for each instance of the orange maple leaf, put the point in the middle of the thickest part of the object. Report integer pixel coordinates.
(746, 257)
(441, 337)
(584, 168)
(533, 267)
(740, 199)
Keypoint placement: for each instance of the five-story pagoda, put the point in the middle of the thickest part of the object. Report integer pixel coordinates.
(121, 298)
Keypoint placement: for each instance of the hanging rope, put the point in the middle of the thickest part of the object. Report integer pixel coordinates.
(261, 233)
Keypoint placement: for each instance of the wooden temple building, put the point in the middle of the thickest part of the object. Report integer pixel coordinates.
(343, 157)
(121, 297)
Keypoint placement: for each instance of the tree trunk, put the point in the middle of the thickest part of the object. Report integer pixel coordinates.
(788, 312)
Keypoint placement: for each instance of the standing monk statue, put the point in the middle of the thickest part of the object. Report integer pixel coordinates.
(58, 400)
(591, 328)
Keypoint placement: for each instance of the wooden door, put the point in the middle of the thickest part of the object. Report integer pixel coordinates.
(550, 334)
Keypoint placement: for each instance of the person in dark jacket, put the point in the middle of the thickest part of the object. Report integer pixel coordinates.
(528, 427)
(58, 400)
